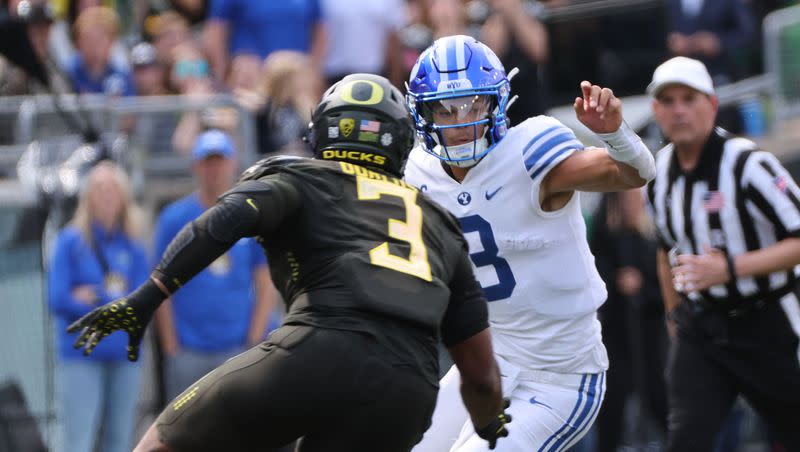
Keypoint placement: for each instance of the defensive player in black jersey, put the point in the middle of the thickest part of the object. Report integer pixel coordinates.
(373, 273)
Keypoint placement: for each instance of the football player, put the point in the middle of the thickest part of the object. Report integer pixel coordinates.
(515, 191)
(372, 274)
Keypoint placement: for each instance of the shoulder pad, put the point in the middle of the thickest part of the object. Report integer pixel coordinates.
(269, 165)
(247, 187)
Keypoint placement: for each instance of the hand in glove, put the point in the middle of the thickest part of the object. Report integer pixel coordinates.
(130, 314)
(497, 428)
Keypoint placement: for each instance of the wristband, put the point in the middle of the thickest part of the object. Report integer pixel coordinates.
(625, 146)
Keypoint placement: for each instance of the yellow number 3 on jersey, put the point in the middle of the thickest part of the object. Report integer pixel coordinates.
(409, 231)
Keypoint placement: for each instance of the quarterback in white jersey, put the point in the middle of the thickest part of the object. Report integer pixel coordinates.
(514, 191)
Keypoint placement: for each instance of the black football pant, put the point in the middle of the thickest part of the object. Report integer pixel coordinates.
(333, 388)
(716, 357)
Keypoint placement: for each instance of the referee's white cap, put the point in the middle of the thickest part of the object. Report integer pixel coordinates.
(681, 71)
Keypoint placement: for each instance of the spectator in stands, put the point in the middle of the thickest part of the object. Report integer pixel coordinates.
(39, 19)
(189, 70)
(237, 27)
(716, 32)
(189, 76)
(62, 37)
(225, 308)
(243, 80)
(362, 34)
(167, 30)
(195, 11)
(517, 36)
(149, 76)
(91, 69)
(153, 131)
(429, 20)
(96, 259)
(290, 87)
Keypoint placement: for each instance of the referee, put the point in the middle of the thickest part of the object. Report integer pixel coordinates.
(728, 218)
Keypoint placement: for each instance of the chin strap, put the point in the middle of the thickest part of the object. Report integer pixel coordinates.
(625, 146)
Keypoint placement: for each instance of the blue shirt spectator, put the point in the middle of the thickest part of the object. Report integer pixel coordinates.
(74, 263)
(95, 260)
(91, 70)
(213, 311)
(225, 308)
(261, 27)
(716, 32)
(113, 82)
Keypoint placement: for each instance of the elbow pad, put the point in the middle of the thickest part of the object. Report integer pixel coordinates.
(234, 216)
(255, 207)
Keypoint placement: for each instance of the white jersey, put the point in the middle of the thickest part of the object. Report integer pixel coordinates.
(535, 267)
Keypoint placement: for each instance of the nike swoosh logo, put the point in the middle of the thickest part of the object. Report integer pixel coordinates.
(489, 195)
(536, 402)
(252, 204)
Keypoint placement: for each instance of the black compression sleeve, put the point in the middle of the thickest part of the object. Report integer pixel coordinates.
(467, 313)
(237, 214)
(192, 250)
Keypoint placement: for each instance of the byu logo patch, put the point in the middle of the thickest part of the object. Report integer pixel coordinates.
(464, 198)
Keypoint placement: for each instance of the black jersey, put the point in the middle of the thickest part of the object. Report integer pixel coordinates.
(354, 243)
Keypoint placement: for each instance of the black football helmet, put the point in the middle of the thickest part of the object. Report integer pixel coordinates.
(362, 119)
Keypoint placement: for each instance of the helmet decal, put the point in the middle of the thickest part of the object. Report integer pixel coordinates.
(362, 119)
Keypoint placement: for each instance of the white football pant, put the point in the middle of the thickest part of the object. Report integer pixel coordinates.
(550, 412)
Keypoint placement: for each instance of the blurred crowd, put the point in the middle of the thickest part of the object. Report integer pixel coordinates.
(276, 58)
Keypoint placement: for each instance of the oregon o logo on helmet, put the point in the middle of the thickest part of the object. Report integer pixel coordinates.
(375, 92)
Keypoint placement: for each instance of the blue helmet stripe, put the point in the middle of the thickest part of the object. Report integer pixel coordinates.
(461, 62)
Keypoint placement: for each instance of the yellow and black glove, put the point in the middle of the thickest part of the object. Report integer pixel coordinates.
(497, 428)
(130, 314)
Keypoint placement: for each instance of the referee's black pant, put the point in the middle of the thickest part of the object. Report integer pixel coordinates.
(716, 357)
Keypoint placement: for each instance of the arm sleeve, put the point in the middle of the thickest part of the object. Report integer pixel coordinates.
(467, 313)
(59, 279)
(252, 208)
(773, 190)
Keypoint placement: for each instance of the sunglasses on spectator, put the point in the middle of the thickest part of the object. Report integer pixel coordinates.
(191, 69)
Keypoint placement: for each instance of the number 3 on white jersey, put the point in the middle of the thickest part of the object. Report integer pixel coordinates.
(489, 256)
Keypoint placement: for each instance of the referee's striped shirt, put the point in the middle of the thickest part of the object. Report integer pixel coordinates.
(737, 199)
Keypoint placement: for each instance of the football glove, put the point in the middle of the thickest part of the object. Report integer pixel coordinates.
(497, 428)
(130, 314)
